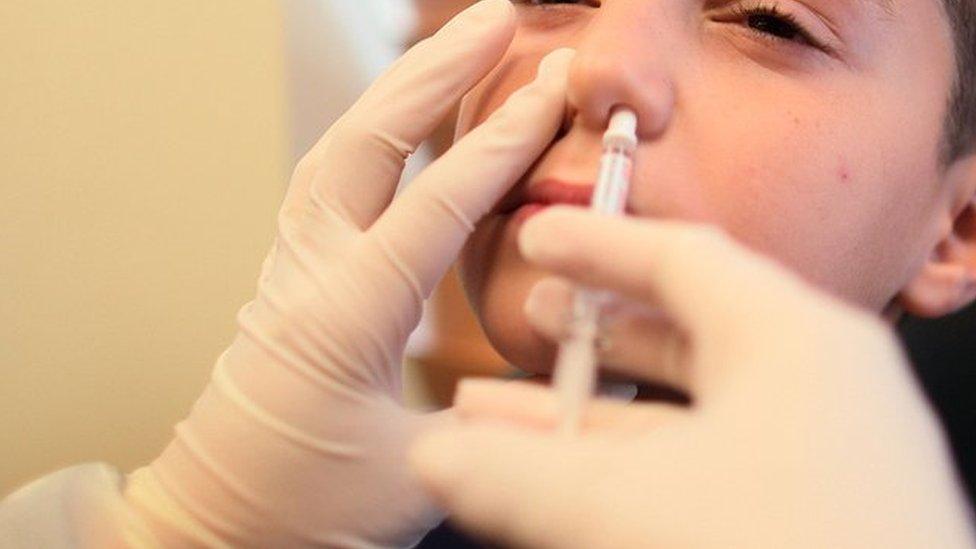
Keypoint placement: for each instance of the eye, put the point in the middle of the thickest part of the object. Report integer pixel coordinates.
(590, 3)
(550, 15)
(771, 23)
(775, 25)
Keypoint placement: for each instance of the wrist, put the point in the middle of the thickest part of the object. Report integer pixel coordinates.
(269, 457)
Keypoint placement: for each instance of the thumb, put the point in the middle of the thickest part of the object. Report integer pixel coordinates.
(710, 284)
(536, 407)
(514, 487)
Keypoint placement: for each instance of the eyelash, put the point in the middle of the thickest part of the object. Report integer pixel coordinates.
(761, 15)
(588, 3)
(761, 19)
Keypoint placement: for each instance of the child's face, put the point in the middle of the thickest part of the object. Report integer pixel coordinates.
(818, 148)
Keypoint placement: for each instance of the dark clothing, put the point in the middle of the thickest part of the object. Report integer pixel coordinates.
(944, 355)
(447, 537)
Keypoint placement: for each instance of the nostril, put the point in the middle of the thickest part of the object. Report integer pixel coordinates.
(602, 76)
(567, 125)
(563, 132)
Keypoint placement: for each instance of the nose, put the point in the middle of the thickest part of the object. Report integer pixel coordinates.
(620, 61)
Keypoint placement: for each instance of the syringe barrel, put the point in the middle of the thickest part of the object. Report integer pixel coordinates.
(576, 363)
(613, 184)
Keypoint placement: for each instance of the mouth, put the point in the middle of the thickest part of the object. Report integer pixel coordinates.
(536, 197)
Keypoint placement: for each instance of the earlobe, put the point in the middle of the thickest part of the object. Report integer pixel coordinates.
(947, 282)
(940, 289)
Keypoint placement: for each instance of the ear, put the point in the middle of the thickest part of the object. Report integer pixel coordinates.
(947, 281)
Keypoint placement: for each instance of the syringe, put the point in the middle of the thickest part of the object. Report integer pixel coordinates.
(576, 362)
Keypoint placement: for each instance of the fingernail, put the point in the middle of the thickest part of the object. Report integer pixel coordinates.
(539, 238)
(482, 12)
(530, 240)
(555, 62)
(545, 298)
(551, 319)
(533, 304)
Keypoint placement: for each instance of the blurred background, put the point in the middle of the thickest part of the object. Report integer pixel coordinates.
(144, 149)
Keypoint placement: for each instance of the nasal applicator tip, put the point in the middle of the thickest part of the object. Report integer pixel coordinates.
(622, 130)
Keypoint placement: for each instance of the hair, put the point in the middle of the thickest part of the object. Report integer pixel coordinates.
(960, 137)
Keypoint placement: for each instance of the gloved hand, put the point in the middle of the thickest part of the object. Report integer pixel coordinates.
(806, 427)
(301, 439)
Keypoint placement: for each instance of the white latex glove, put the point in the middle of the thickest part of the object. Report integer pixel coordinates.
(806, 428)
(301, 439)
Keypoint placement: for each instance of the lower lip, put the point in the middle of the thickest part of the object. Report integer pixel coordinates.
(527, 211)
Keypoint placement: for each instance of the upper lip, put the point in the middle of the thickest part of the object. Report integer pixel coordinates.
(549, 191)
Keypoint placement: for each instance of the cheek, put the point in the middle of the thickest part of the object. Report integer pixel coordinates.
(517, 68)
(806, 184)
(794, 176)
(497, 282)
(485, 98)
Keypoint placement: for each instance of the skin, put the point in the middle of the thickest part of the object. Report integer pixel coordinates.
(454, 346)
(432, 14)
(825, 161)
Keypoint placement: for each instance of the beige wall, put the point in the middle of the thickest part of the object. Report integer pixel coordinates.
(142, 157)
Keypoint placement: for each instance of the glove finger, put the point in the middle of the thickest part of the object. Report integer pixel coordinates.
(428, 224)
(723, 296)
(534, 406)
(549, 308)
(633, 339)
(365, 151)
(524, 489)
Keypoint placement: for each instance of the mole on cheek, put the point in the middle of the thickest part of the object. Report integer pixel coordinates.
(843, 171)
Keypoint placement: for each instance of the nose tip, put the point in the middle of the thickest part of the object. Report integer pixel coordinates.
(598, 83)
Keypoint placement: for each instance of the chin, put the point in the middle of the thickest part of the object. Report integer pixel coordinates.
(497, 281)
